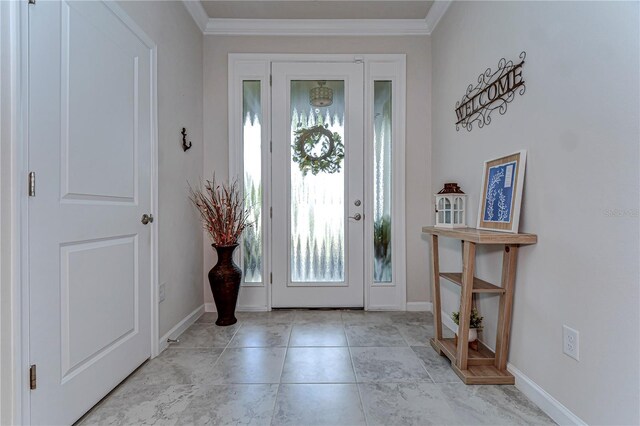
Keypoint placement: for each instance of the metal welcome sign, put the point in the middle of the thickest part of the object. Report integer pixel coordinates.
(495, 89)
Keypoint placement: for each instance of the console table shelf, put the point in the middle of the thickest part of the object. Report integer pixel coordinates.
(479, 286)
(483, 356)
(481, 366)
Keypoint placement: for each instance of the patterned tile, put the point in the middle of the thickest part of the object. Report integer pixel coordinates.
(318, 316)
(177, 366)
(205, 379)
(491, 405)
(231, 405)
(438, 367)
(261, 335)
(208, 318)
(374, 335)
(272, 317)
(388, 365)
(129, 405)
(318, 404)
(416, 334)
(201, 335)
(248, 365)
(366, 317)
(412, 317)
(331, 334)
(405, 404)
(318, 365)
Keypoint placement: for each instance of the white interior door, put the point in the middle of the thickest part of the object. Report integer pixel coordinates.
(317, 197)
(90, 118)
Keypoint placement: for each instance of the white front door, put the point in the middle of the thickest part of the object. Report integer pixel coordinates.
(317, 185)
(90, 118)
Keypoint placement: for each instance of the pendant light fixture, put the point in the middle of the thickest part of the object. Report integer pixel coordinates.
(321, 96)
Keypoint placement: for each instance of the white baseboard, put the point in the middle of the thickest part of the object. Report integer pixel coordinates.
(411, 307)
(211, 307)
(448, 322)
(419, 307)
(251, 309)
(384, 308)
(180, 328)
(547, 403)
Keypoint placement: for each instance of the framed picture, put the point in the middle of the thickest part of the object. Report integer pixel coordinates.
(501, 193)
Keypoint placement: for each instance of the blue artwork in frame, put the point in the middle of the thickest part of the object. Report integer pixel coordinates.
(501, 193)
(499, 197)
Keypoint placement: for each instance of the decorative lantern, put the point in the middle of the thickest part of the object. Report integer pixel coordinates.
(450, 207)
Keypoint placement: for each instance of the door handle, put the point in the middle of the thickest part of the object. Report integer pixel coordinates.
(357, 216)
(146, 218)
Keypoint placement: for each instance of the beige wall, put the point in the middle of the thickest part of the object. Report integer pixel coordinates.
(579, 122)
(418, 157)
(179, 44)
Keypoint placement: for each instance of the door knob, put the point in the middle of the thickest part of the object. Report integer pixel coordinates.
(357, 216)
(146, 218)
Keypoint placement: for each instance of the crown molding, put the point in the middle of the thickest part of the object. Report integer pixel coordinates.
(316, 27)
(197, 12)
(436, 12)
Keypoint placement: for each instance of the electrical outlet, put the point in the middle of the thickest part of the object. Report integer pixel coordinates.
(162, 292)
(571, 342)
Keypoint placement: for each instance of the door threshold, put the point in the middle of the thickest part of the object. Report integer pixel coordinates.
(319, 309)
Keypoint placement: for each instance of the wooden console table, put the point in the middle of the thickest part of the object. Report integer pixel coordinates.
(482, 366)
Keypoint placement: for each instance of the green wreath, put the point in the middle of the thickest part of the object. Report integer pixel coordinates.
(332, 152)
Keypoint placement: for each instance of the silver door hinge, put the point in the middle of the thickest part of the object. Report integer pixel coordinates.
(270, 211)
(270, 277)
(270, 80)
(270, 146)
(32, 184)
(32, 377)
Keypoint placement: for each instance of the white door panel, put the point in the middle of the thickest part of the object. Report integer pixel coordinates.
(317, 245)
(90, 256)
(86, 274)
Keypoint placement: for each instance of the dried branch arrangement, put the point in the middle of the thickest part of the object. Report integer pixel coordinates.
(222, 210)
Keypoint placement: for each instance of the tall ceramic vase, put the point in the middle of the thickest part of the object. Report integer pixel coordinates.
(224, 279)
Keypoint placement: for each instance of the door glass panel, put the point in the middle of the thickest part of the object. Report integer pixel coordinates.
(382, 144)
(252, 162)
(317, 182)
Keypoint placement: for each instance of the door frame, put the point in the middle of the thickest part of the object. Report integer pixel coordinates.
(18, 146)
(257, 66)
(348, 292)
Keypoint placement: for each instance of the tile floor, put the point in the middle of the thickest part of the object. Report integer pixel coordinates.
(309, 368)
